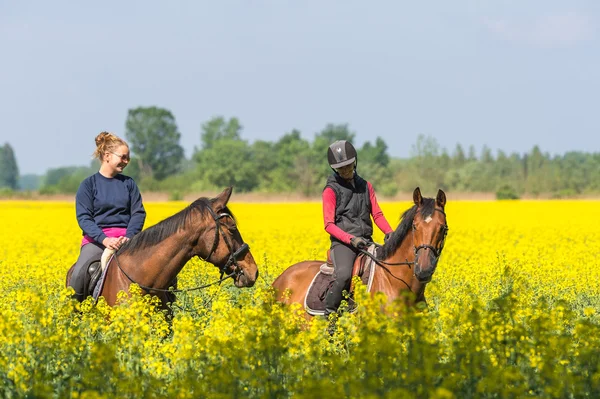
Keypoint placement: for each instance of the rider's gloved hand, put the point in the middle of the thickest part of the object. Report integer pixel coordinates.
(359, 242)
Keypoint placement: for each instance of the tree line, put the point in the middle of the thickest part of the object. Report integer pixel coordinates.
(293, 164)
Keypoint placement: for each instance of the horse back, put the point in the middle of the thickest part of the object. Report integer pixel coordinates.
(295, 280)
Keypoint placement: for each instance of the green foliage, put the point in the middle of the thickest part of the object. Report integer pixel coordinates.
(218, 129)
(564, 193)
(375, 154)
(49, 190)
(507, 192)
(293, 164)
(487, 351)
(154, 139)
(6, 192)
(30, 182)
(65, 179)
(9, 171)
(175, 195)
(228, 162)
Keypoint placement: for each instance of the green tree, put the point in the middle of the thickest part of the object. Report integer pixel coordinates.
(472, 154)
(376, 154)
(576, 171)
(30, 182)
(373, 165)
(486, 155)
(154, 139)
(9, 171)
(426, 163)
(65, 179)
(458, 156)
(537, 168)
(264, 157)
(218, 129)
(224, 159)
(228, 162)
(293, 167)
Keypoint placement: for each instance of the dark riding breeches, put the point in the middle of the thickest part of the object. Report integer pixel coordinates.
(88, 251)
(343, 257)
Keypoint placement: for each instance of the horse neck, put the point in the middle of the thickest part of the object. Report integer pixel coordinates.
(395, 279)
(157, 266)
(404, 252)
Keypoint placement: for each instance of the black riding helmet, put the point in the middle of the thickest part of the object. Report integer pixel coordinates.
(341, 153)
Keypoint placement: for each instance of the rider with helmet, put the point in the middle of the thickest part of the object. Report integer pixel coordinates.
(348, 203)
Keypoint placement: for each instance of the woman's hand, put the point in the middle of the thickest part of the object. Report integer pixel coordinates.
(114, 242)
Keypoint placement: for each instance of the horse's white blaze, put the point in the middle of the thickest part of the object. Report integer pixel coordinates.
(428, 219)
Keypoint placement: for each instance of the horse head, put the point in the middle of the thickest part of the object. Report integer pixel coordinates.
(226, 248)
(429, 231)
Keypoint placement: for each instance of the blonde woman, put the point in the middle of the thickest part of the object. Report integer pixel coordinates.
(108, 205)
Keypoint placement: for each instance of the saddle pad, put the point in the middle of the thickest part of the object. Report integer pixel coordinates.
(314, 302)
(100, 284)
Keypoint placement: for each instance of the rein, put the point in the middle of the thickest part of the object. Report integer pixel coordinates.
(382, 262)
(232, 260)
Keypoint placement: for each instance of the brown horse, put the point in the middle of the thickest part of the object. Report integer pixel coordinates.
(405, 263)
(153, 258)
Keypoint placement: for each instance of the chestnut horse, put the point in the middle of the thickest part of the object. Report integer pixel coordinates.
(153, 258)
(405, 263)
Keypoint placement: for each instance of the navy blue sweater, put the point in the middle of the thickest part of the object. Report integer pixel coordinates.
(102, 202)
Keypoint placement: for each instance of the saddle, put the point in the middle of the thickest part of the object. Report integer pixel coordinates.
(95, 267)
(314, 303)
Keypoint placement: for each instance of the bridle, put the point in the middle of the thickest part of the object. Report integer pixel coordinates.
(232, 260)
(233, 255)
(416, 249)
(436, 251)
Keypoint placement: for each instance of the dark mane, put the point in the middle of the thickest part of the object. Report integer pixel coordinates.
(404, 227)
(162, 230)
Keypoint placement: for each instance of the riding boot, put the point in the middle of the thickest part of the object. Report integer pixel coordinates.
(333, 299)
(332, 303)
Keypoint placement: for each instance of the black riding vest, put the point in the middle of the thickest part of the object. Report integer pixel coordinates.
(352, 206)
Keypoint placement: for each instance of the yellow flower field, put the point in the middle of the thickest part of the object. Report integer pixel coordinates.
(513, 311)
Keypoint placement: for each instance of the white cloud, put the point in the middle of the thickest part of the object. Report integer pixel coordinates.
(544, 31)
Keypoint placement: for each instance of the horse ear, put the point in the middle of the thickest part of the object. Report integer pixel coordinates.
(417, 198)
(441, 199)
(221, 200)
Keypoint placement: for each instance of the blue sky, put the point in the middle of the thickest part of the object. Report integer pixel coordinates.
(506, 74)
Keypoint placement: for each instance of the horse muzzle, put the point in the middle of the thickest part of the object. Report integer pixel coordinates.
(242, 280)
(424, 271)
